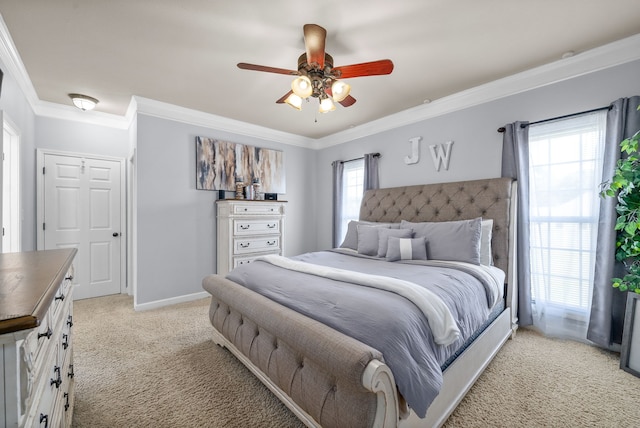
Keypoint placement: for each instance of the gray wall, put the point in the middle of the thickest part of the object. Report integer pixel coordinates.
(477, 147)
(15, 106)
(176, 237)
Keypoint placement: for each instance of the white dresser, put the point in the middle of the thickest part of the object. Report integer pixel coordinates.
(36, 345)
(248, 229)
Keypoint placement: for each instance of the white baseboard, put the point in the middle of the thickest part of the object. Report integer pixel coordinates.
(171, 301)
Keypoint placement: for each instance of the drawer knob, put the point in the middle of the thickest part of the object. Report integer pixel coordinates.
(245, 226)
(71, 374)
(45, 419)
(47, 334)
(271, 226)
(60, 297)
(65, 341)
(58, 380)
(245, 244)
(69, 278)
(271, 242)
(70, 321)
(66, 403)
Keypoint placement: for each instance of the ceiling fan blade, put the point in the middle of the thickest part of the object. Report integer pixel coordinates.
(254, 67)
(314, 40)
(347, 102)
(374, 68)
(284, 97)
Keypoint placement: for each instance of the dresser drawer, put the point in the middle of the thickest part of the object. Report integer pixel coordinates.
(243, 260)
(255, 245)
(258, 208)
(256, 227)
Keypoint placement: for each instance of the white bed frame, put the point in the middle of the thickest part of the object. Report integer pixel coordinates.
(459, 377)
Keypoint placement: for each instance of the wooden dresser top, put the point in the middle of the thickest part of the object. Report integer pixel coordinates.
(28, 283)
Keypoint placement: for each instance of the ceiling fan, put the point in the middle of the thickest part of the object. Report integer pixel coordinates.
(317, 77)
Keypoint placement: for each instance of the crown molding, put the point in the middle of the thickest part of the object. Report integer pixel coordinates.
(11, 59)
(610, 55)
(173, 112)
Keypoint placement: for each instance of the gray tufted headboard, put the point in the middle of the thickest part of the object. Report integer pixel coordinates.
(489, 199)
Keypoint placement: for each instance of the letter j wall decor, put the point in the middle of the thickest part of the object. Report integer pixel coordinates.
(220, 164)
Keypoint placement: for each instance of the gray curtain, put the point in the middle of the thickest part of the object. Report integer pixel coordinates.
(338, 168)
(515, 164)
(608, 304)
(371, 171)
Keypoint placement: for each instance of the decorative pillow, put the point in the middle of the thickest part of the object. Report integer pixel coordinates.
(368, 239)
(486, 255)
(450, 240)
(406, 249)
(383, 238)
(351, 237)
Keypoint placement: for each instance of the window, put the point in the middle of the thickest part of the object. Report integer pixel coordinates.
(565, 172)
(352, 191)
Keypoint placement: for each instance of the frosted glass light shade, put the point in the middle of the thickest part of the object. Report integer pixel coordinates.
(301, 86)
(294, 101)
(83, 102)
(326, 105)
(340, 90)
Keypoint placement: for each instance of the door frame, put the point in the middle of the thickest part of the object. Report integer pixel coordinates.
(124, 234)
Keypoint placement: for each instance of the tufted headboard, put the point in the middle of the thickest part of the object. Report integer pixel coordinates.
(490, 199)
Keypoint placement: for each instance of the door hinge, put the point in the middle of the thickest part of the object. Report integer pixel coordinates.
(42, 170)
(43, 226)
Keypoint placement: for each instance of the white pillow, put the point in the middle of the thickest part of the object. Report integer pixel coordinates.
(486, 255)
(406, 249)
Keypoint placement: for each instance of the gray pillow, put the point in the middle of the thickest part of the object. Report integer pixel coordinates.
(351, 237)
(368, 239)
(450, 240)
(383, 238)
(406, 249)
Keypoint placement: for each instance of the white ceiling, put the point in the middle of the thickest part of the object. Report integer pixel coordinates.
(184, 52)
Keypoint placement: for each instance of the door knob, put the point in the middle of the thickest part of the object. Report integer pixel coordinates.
(116, 234)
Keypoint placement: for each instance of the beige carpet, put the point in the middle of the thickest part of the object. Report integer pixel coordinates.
(159, 368)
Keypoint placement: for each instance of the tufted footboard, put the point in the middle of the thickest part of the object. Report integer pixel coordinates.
(323, 376)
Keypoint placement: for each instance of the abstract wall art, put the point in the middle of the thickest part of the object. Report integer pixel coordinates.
(220, 164)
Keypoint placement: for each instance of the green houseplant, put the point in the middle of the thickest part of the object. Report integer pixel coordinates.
(625, 184)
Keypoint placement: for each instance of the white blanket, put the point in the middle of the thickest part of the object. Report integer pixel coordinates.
(441, 321)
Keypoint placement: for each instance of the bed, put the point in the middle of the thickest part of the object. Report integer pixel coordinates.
(332, 375)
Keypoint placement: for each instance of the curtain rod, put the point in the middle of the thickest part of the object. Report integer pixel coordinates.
(502, 129)
(375, 155)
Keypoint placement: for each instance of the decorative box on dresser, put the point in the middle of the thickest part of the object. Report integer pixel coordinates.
(248, 229)
(36, 346)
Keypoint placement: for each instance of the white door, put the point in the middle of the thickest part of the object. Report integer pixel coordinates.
(82, 207)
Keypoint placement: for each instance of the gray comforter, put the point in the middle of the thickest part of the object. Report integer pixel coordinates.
(381, 319)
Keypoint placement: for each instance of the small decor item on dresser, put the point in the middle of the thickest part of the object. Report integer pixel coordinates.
(239, 188)
(257, 194)
(249, 193)
(271, 196)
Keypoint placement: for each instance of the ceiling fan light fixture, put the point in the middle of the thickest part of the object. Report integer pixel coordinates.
(294, 101)
(340, 90)
(83, 102)
(301, 86)
(326, 105)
